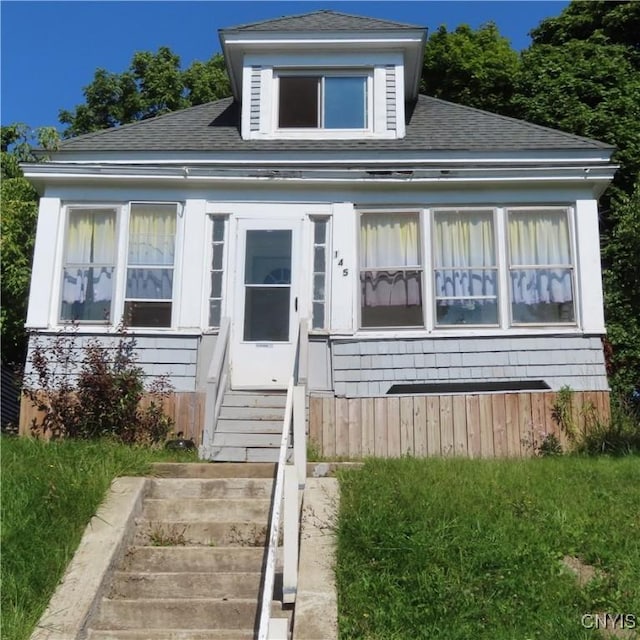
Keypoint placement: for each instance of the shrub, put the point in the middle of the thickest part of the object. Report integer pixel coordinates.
(95, 391)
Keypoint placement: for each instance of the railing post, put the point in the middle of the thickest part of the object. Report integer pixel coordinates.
(290, 546)
(299, 433)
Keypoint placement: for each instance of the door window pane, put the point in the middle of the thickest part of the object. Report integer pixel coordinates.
(268, 257)
(266, 314)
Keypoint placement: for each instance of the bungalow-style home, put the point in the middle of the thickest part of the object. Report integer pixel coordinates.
(436, 267)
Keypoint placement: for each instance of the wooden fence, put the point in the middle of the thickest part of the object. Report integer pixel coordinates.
(186, 409)
(477, 425)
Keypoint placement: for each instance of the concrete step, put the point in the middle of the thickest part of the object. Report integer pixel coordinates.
(173, 634)
(193, 559)
(253, 455)
(215, 488)
(211, 534)
(213, 470)
(170, 613)
(127, 585)
(207, 509)
(226, 425)
(235, 412)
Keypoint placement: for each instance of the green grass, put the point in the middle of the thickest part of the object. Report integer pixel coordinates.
(458, 549)
(49, 493)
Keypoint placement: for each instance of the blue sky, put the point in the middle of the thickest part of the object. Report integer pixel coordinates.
(50, 50)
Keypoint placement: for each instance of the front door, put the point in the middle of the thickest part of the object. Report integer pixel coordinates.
(265, 318)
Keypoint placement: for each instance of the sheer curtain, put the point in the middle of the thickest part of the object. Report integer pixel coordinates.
(464, 255)
(540, 251)
(89, 266)
(152, 229)
(390, 260)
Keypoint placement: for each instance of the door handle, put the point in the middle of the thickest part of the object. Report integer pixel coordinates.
(295, 304)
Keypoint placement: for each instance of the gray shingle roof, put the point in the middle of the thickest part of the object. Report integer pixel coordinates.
(432, 125)
(322, 21)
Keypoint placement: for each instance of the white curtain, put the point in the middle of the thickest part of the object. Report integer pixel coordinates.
(152, 230)
(389, 247)
(540, 240)
(464, 255)
(90, 256)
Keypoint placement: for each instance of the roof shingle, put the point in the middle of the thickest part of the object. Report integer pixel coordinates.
(322, 21)
(432, 125)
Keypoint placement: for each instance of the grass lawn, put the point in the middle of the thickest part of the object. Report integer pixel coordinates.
(49, 493)
(464, 549)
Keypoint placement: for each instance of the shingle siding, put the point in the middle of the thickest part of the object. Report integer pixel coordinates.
(391, 98)
(171, 356)
(256, 77)
(375, 365)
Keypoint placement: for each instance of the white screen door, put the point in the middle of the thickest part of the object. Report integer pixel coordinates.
(266, 310)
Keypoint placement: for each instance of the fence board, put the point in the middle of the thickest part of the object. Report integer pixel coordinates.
(499, 414)
(433, 426)
(473, 426)
(380, 426)
(329, 426)
(459, 426)
(512, 426)
(368, 426)
(446, 425)
(525, 425)
(342, 427)
(393, 427)
(315, 422)
(486, 426)
(355, 428)
(420, 425)
(406, 426)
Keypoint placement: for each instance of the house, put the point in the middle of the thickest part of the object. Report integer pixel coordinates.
(443, 261)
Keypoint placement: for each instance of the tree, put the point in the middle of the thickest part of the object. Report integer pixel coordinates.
(19, 215)
(153, 84)
(582, 74)
(475, 68)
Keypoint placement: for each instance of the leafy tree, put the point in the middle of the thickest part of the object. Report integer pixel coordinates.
(19, 216)
(622, 255)
(153, 84)
(473, 67)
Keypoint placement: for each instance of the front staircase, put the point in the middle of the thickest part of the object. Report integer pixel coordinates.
(195, 566)
(249, 427)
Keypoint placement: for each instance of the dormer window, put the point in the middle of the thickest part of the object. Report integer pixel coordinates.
(327, 101)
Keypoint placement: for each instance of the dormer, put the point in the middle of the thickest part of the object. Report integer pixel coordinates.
(323, 75)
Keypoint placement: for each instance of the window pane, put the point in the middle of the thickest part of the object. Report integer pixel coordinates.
(147, 314)
(216, 285)
(86, 293)
(542, 295)
(391, 298)
(91, 236)
(389, 240)
(214, 313)
(539, 238)
(154, 284)
(266, 314)
(318, 315)
(268, 257)
(455, 312)
(218, 230)
(298, 101)
(318, 286)
(319, 231)
(319, 259)
(345, 102)
(466, 283)
(152, 230)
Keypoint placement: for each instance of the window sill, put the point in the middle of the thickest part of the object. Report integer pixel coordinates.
(475, 332)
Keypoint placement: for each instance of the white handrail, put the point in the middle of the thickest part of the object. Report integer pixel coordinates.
(290, 479)
(274, 533)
